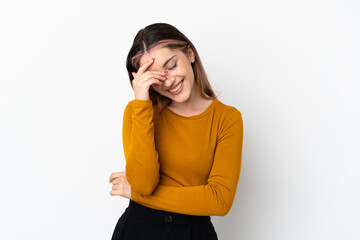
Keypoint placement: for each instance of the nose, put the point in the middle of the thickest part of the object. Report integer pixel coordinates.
(170, 81)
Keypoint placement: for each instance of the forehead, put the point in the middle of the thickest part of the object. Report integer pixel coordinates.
(161, 54)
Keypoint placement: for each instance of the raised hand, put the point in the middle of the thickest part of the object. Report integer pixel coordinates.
(144, 79)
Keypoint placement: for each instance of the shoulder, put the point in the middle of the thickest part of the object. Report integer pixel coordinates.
(230, 120)
(228, 113)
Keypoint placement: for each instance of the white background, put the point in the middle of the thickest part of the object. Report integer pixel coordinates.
(290, 67)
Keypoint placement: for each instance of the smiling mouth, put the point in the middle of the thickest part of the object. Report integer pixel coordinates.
(177, 87)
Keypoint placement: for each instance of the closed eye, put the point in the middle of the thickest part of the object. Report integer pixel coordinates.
(172, 67)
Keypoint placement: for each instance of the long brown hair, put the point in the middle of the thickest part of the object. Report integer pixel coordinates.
(166, 35)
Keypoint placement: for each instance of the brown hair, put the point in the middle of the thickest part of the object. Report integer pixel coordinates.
(166, 35)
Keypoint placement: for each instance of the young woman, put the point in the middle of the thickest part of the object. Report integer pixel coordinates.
(182, 145)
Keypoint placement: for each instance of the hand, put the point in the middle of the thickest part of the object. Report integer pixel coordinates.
(121, 186)
(143, 80)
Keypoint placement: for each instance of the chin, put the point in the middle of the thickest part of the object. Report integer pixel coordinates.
(179, 99)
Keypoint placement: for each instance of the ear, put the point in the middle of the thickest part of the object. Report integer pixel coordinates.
(134, 74)
(191, 55)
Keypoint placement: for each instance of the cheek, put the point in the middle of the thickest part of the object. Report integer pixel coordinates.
(180, 72)
(190, 73)
(187, 69)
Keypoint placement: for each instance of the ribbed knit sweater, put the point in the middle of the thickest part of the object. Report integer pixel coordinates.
(188, 165)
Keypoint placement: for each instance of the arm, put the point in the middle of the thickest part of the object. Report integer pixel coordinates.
(142, 165)
(214, 198)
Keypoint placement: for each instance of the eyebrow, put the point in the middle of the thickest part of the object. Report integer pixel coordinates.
(167, 61)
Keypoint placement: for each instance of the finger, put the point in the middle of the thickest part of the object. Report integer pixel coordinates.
(155, 81)
(117, 193)
(113, 193)
(150, 81)
(149, 75)
(160, 74)
(156, 72)
(145, 66)
(117, 180)
(116, 175)
(113, 176)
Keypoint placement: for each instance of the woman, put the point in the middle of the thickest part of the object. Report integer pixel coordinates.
(182, 145)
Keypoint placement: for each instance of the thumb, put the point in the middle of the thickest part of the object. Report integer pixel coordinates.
(134, 74)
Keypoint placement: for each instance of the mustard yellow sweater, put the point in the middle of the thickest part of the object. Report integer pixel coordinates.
(188, 165)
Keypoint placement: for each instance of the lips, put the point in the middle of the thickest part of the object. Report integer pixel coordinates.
(178, 84)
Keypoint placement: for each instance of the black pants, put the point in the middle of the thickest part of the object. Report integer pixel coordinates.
(142, 223)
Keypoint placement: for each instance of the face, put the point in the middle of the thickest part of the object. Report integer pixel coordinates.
(179, 85)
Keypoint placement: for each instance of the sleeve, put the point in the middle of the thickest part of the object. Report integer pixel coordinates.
(142, 164)
(214, 198)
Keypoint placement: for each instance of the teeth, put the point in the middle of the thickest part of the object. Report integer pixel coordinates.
(177, 88)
